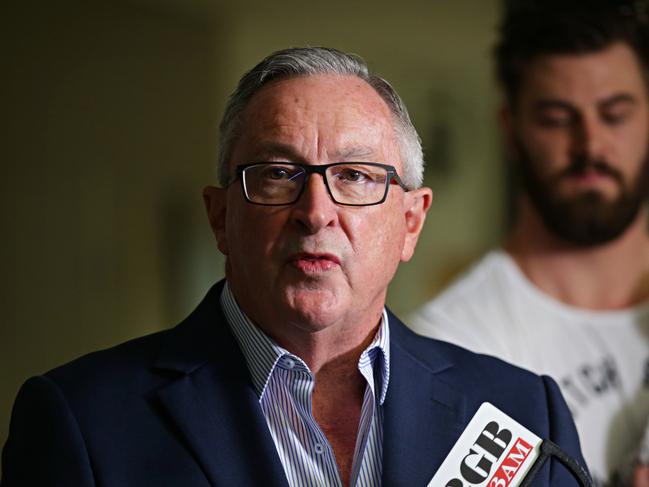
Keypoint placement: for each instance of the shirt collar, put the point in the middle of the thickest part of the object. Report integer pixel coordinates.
(262, 354)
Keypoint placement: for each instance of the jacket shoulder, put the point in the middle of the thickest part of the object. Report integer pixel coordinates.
(112, 363)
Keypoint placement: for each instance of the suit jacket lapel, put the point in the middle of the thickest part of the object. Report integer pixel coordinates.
(423, 415)
(212, 403)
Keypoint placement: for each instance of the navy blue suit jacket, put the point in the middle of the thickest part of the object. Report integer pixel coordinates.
(178, 408)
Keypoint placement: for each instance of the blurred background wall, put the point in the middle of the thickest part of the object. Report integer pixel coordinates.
(109, 114)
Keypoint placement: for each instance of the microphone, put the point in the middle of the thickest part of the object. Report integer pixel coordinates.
(496, 451)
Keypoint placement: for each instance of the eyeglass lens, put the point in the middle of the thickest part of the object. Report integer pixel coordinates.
(354, 183)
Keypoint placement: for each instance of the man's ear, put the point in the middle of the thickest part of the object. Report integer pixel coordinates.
(216, 206)
(417, 202)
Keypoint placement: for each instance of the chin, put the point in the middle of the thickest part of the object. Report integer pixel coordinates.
(315, 309)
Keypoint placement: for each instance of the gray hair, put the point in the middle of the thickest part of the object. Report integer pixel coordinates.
(310, 61)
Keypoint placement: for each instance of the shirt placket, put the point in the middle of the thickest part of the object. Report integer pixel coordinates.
(318, 448)
(360, 473)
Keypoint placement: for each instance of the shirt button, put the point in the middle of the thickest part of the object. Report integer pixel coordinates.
(318, 448)
(289, 363)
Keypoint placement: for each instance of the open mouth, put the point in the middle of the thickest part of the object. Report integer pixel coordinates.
(309, 263)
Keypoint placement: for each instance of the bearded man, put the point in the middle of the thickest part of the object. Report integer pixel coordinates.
(567, 294)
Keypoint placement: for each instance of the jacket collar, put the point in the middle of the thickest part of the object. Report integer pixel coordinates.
(211, 401)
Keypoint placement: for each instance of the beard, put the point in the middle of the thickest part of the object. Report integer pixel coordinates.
(589, 218)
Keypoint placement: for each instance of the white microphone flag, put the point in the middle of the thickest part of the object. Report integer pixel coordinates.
(493, 451)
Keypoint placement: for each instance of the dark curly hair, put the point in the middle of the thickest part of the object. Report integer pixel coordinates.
(533, 28)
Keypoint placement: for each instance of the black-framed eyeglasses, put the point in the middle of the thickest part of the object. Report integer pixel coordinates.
(348, 183)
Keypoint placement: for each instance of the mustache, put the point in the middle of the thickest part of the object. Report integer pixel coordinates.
(581, 165)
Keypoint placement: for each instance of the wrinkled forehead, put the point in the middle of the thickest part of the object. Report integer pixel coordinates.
(317, 119)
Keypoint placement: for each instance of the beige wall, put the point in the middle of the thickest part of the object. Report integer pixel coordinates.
(109, 135)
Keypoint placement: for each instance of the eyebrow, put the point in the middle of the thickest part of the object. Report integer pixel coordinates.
(548, 104)
(622, 98)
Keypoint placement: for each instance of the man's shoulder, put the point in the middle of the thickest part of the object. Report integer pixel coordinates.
(480, 377)
(473, 307)
(116, 363)
(144, 361)
(463, 380)
(97, 391)
(479, 284)
(472, 365)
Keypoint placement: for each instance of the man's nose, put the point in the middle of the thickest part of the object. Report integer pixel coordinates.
(315, 209)
(591, 140)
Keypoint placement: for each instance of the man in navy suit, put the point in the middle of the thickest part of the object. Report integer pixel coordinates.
(291, 372)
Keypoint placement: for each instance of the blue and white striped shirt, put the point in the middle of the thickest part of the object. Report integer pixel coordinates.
(285, 386)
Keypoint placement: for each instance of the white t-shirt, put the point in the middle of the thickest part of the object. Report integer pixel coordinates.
(599, 358)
